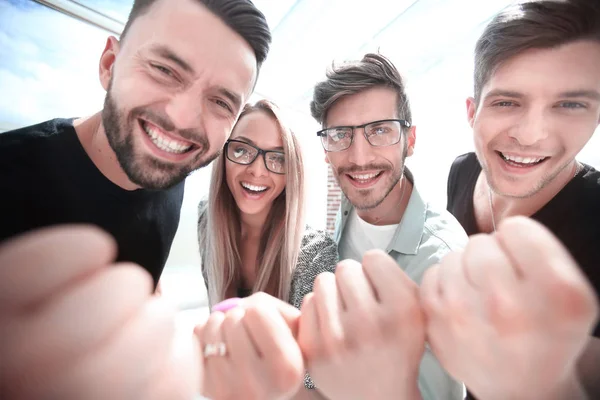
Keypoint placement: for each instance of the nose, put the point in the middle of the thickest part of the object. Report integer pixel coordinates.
(533, 127)
(361, 151)
(185, 111)
(257, 168)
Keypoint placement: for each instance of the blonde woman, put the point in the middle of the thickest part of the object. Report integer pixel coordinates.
(251, 230)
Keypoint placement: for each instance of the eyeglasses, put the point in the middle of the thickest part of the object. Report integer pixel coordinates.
(244, 153)
(385, 132)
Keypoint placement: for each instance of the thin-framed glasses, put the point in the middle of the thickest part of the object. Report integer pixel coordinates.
(244, 153)
(385, 132)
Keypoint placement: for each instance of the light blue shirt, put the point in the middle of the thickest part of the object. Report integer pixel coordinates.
(423, 237)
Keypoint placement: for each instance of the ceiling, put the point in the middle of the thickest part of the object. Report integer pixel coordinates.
(309, 34)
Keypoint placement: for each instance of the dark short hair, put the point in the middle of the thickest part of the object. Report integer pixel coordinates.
(533, 25)
(354, 77)
(240, 15)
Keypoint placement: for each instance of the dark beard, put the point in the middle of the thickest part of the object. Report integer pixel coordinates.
(144, 170)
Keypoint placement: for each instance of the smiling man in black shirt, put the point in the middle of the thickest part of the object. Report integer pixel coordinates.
(174, 93)
(536, 104)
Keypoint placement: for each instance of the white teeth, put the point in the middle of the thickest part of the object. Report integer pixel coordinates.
(522, 160)
(165, 143)
(254, 188)
(364, 177)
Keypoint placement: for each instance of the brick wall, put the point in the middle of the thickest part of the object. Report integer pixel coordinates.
(334, 195)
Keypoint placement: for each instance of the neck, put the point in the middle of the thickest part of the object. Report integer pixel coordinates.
(505, 206)
(392, 208)
(92, 137)
(252, 224)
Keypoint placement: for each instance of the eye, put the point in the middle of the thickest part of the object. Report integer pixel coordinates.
(239, 151)
(572, 105)
(379, 130)
(163, 70)
(504, 104)
(338, 134)
(278, 158)
(224, 105)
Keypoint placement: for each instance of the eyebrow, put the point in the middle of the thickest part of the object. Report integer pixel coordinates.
(588, 94)
(504, 93)
(165, 52)
(250, 141)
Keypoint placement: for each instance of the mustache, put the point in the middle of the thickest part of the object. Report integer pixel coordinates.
(362, 168)
(165, 123)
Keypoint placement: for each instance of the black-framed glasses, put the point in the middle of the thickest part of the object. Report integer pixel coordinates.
(385, 132)
(244, 153)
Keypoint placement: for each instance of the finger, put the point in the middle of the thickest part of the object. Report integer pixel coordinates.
(37, 264)
(430, 292)
(289, 313)
(181, 378)
(486, 265)
(328, 307)
(389, 282)
(453, 280)
(269, 332)
(354, 288)
(241, 346)
(78, 321)
(128, 361)
(281, 358)
(308, 335)
(245, 369)
(459, 298)
(536, 252)
(547, 267)
(215, 372)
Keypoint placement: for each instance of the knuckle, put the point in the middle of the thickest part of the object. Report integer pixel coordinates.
(334, 343)
(322, 279)
(504, 313)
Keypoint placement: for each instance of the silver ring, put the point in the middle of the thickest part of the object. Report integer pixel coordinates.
(215, 349)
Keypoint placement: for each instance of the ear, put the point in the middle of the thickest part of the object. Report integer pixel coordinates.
(471, 110)
(107, 61)
(412, 139)
(326, 157)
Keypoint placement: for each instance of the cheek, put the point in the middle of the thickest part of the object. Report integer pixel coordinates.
(217, 132)
(335, 159)
(279, 181)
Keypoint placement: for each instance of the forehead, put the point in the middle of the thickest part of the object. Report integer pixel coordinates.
(259, 127)
(368, 105)
(191, 30)
(573, 66)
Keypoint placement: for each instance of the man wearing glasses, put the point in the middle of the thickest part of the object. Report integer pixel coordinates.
(367, 135)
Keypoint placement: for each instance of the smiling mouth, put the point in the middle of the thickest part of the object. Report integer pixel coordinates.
(522, 162)
(164, 142)
(364, 178)
(253, 189)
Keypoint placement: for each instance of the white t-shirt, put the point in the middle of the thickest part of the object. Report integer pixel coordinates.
(360, 236)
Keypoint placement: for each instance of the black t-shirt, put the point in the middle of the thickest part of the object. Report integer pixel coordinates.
(47, 178)
(573, 215)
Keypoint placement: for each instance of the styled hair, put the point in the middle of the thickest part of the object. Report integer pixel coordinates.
(219, 225)
(240, 15)
(354, 77)
(533, 25)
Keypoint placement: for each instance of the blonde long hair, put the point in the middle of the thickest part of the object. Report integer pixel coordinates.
(219, 226)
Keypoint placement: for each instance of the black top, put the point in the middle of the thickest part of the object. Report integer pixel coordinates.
(573, 215)
(47, 178)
